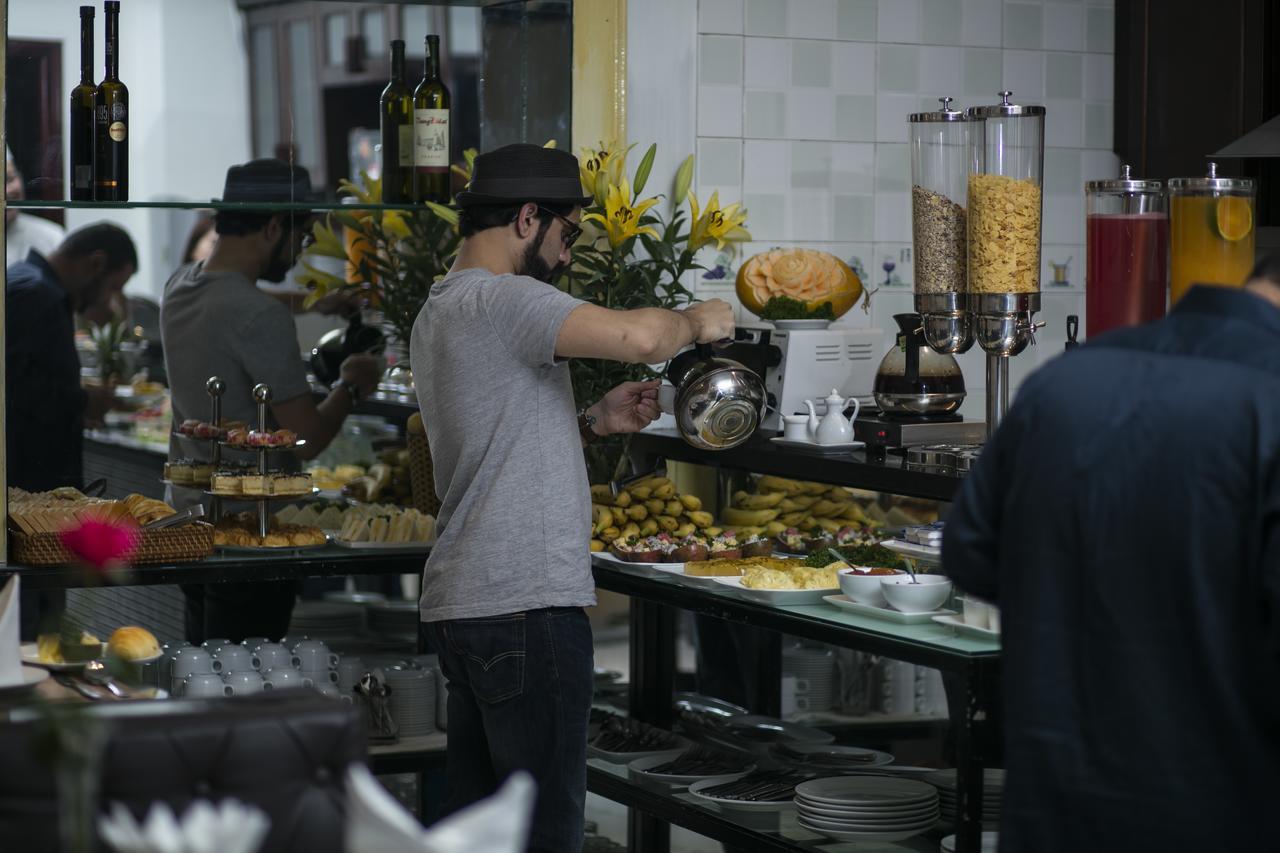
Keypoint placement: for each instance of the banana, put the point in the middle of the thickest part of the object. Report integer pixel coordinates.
(610, 533)
(630, 530)
(788, 505)
(619, 516)
(701, 518)
(830, 525)
(805, 501)
(855, 513)
(792, 519)
(686, 529)
(639, 512)
(770, 500)
(674, 508)
(829, 509)
(651, 482)
(667, 523)
(774, 528)
(713, 531)
(601, 517)
(602, 494)
(837, 494)
(811, 488)
(655, 506)
(596, 546)
(648, 527)
(748, 517)
(750, 531)
(640, 493)
(691, 502)
(770, 483)
(666, 491)
(623, 499)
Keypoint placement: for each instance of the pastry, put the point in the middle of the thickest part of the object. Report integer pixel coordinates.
(180, 473)
(283, 438)
(147, 510)
(257, 438)
(255, 484)
(133, 644)
(201, 472)
(223, 483)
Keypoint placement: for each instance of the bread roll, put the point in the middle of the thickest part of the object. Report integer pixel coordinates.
(133, 643)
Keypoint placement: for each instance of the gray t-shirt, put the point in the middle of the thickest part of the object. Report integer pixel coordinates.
(221, 324)
(515, 510)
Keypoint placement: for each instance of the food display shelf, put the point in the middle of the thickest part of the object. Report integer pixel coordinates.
(761, 456)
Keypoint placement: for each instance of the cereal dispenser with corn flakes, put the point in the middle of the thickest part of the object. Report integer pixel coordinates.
(1005, 205)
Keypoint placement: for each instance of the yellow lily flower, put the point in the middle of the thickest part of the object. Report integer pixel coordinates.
(327, 243)
(464, 172)
(320, 283)
(621, 219)
(602, 161)
(372, 195)
(721, 225)
(393, 223)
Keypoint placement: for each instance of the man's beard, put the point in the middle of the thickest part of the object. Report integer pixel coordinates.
(281, 263)
(532, 263)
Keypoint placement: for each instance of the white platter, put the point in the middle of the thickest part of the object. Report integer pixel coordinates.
(31, 676)
(628, 757)
(267, 549)
(814, 447)
(923, 553)
(782, 597)
(841, 791)
(669, 568)
(902, 814)
(31, 657)
(407, 547)
(886, 613)
(965, 628)
(697, 788)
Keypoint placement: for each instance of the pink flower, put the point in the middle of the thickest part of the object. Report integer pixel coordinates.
(102, 544)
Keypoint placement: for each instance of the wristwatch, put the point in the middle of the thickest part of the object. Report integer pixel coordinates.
(351, 390)
(585, 423)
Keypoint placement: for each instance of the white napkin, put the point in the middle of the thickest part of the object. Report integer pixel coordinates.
(231, 827)
(376, 823)
(10, 652)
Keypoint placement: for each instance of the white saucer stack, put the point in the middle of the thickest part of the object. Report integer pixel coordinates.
(867, 808)
(413, 699)
(992, 791)
(326, 620)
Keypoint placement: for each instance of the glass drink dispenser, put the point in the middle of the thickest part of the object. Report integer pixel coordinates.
(1211, 233)
(1127, 236)
(939, 145)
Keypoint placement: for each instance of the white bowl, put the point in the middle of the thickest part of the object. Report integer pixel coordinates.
(924, 597)
(864, 589)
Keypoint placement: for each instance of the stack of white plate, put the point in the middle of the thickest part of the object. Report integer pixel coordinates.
(867, 808)
(814, 671)
(990, 843)
(992, 791)
(413, 699)
(326, 620)
(394, 620)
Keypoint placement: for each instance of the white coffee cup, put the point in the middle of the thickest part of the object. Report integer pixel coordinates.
(252, 643)
(232, 658)
(205, 685)
(244, 681)
(274, 656)
(275, 679)
(993, 618)
(796, 428)
(213, 645)
(191, 661)
(977, 612)
(667, 398)
(314, 655)
(326, 689)
(321, 676)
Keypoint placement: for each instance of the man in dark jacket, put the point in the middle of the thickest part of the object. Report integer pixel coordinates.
(1126, 517)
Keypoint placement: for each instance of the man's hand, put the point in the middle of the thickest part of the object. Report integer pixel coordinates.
(630, 407)
(362, 372)
(343, 303)
(712, 320)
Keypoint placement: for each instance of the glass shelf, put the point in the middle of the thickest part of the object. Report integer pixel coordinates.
(57, 204)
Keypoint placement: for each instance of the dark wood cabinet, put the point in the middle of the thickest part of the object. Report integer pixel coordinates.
(1192, 76)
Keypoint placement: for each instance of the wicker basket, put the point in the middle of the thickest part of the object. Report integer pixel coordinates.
(421, 475)
(167, 545)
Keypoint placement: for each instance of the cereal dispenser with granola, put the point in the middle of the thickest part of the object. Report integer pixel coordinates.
(1005, 204)
(939, 146)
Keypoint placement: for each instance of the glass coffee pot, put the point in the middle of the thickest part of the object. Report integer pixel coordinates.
(913, 380)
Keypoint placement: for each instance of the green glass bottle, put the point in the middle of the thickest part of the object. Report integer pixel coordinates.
(397, 132)
(431, 131)
(82, 118)
(111, 166)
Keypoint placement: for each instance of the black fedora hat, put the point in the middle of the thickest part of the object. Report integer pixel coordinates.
(514, 174)
(268, 181)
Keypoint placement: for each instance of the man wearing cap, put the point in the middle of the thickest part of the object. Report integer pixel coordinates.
(504, 587)
(215, 321)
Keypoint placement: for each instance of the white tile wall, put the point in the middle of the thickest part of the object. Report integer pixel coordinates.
(802, 114)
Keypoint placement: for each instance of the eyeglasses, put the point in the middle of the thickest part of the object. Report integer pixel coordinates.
(571, 230)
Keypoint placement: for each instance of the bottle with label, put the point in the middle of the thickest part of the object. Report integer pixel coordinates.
(397, 132)
(111, 166)
(431, 131)
(81, 122)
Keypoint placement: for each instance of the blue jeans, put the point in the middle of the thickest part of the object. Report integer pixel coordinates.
(520, 688)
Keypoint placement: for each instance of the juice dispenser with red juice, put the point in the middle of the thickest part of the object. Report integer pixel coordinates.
(1127, 252)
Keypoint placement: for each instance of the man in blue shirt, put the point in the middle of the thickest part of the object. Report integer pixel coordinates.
(1126, 517)
(45, 406)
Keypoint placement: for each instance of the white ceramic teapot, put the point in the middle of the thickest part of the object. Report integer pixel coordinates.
(834, 428)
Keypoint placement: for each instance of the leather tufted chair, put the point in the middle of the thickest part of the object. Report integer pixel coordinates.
(284, 751)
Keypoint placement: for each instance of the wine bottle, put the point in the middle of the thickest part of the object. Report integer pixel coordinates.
(397, 132)
(431, 131)
(111, 166)
(81, 123)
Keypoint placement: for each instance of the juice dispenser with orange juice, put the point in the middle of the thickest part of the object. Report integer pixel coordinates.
(1211, 233)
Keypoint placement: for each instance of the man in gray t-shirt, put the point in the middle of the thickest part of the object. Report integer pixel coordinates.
(504, 587)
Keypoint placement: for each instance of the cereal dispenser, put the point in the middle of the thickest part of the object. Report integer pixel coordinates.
(939, 144)
(1006, 168)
